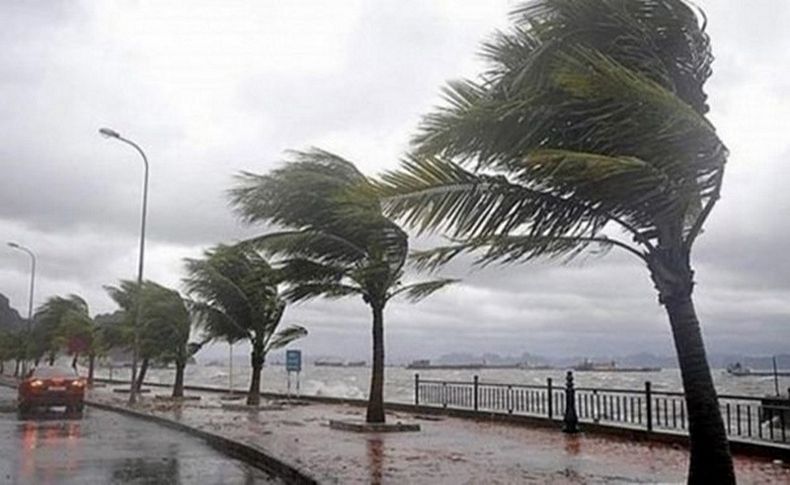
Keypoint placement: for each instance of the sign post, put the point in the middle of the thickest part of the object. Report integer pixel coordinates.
(293, 363)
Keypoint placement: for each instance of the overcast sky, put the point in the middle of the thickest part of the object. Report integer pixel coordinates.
(210, 88)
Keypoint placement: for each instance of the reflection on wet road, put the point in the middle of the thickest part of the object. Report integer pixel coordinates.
(104, 447)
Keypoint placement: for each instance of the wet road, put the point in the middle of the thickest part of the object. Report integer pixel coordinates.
(105, 447)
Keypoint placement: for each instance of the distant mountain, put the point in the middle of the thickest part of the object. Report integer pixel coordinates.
(461, 358)
(9, 318)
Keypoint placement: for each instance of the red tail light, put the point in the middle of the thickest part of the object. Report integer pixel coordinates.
(77, 383)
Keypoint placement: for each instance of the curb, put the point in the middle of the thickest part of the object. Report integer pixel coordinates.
(247, 453)
(236, 449)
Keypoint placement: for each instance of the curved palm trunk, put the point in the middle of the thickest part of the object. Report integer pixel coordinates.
(74, 360)
(375, 413)
(178, 386)
(16, 368)
(141, 375)
(257, 359)
(711, 461)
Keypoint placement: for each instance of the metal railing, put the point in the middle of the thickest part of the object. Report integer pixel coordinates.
(747, 417)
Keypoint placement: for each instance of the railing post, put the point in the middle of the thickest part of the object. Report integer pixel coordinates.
(649, 406)
(476, 383)
(571, 419)
(416, 389)
(550, 391)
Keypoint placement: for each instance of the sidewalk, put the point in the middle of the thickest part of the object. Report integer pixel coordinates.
(447, 450)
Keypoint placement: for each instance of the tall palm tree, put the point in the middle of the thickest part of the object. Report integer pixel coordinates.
(589, 125)
(165, 325)
(336, 241)
(169, 323)
(50, 319)
(235, 297)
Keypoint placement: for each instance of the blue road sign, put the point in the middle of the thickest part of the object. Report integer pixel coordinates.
(293, 360)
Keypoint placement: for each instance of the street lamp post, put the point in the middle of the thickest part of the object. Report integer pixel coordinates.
(109, 133)
(30, 295)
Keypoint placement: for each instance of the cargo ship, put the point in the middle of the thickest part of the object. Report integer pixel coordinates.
(611, 366)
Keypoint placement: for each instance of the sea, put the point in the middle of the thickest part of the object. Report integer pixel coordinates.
(353, 382)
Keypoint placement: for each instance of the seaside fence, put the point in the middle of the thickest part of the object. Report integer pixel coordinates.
(748, 417)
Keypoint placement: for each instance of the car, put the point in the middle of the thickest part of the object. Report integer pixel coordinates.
(46, 387)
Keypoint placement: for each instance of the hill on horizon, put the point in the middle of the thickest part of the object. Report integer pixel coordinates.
(9, 317)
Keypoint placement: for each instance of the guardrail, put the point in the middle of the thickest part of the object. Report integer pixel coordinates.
(755, 418)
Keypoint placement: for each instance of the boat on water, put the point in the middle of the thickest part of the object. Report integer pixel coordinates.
(739, 370)
(611, 366)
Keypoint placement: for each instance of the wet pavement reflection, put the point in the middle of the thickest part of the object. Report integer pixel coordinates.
(103, 447)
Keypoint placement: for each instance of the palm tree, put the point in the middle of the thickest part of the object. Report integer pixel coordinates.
(588, 125)
(165, 327)
(169, 319)
(236, 297)
(51, 320)
(78, 334)
(337, 242)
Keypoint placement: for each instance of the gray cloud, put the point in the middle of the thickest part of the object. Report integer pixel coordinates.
(220, 88)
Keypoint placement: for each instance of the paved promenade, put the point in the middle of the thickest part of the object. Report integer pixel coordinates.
(447, 450)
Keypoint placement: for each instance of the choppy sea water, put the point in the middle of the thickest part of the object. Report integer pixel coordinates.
(353, 382)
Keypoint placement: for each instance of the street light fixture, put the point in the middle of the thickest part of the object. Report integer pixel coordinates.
(32, 287)
(110, 133)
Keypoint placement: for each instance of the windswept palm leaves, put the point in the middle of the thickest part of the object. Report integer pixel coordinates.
(335, 241)
(235, 297)
(165, 327)
(587, 130)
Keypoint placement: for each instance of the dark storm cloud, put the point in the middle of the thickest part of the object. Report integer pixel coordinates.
(215, 89)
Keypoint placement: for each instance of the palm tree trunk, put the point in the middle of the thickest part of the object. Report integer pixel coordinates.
(16, 368)
(51, 359)
(257, 359)
(375, 413)
(141, 376)
(91, 368)
(178, 386)
(74, 360)
(711, 461)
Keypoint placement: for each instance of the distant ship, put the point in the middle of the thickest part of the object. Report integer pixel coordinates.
(738, 370)
(611, 366)
(426, 364)
(339, 363)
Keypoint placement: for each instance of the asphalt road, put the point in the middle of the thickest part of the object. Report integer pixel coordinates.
(107, 448)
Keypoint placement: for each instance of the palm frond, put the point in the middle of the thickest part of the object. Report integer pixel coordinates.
(286, 336)
(416, 292)
(299, 292)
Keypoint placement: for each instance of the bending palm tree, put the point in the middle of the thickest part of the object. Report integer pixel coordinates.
(588, 125)
(52, 319)
(164, 326)
(236, 297)
(337, 244)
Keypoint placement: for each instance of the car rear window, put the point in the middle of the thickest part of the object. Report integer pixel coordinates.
(54, 373)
